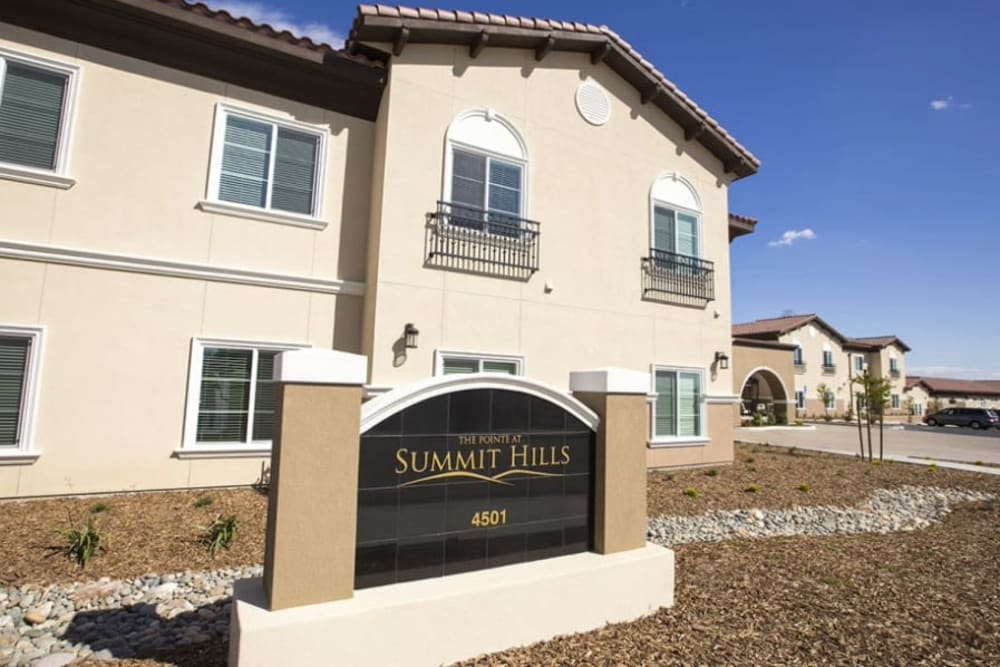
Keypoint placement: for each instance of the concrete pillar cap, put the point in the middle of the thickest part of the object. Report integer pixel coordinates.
(312, 366)
(609, 381)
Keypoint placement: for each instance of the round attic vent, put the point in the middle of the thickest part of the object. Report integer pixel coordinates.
(593, 103)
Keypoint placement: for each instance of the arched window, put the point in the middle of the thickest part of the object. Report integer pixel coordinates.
(676, 216)
(486, 166)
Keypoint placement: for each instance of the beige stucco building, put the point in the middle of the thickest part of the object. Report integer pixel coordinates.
(823, 363)
(930, 394)
(196, 197)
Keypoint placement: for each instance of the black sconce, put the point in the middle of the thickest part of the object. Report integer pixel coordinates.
(722, 359)
(410, 334)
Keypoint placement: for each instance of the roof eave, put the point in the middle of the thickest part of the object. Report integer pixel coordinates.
(370, 28)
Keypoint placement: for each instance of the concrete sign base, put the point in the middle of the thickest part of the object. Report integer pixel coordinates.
(443, 620)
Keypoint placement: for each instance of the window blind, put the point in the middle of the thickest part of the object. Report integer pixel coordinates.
(13, 363)
(246, 156)
(690, 404)
(666, 403)
(451, 366)
(468, 179)
(505, 188)
(294, 171)
(30, 115)
(687, 235)
(663, 229)
(506, 367)
(225, 395)
(264, 397)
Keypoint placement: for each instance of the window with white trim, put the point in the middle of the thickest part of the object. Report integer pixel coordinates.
(456, 363)
(20, 352)
(231, 393)
(827, 357)
(676, 217)
(859, 363)
(36, 101)
(265, 163)
(895, 401)
(800, 400)
(677, 410)
(893, 365)
(797, 357)
(486, 174)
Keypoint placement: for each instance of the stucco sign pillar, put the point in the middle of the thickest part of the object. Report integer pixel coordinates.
(313, 494)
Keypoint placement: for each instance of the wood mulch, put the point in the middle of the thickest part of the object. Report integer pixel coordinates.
(927, 597)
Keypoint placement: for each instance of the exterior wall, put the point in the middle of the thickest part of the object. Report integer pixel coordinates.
(721, 417)
(920, 397)
(111, 395)
(880, 363)
(747, 360)
(588, 186)
(812, 337)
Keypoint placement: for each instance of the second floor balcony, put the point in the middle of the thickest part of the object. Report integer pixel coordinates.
(474, 240)
(670, 276)
(829, 369)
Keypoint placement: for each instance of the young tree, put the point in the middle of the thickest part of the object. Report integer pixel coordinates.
(873, 398)
(825, 394)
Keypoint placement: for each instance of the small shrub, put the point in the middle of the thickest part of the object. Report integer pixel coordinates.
(758, 419)
(804, 488)
(711, 473)
(753, 488)
(749, 459)
(82, 542)
(220, 533)
(979, 463)
(828, 418)
(204, 501)
(932, 467)
(876, 463)
(97, 508)
(830, 581)
(691, 493)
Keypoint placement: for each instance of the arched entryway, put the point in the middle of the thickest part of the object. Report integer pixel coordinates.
(764, 394)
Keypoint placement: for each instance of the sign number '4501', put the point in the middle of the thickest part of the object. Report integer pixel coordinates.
(488, 518)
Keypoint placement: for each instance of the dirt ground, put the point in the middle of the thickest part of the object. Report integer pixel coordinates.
(928, 597)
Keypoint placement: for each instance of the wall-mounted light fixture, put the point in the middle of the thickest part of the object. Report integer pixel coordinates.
(722, 359)
(410, 334)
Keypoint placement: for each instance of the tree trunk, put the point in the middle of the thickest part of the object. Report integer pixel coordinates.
(881, 435)
(868, 419)
(861, 438)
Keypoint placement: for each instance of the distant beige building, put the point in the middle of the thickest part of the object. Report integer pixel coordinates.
(821, 357)
(930, 394)
(185, 195)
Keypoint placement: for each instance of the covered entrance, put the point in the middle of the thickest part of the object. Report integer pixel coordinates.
(763, 399)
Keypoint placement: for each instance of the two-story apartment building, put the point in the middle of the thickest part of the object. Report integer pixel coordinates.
(822, 358)
(184, 194)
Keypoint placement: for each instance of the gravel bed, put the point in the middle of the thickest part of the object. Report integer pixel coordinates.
(144, 616)
(886, 510)
(108, 618)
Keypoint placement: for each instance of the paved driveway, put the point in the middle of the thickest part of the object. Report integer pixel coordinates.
(949, 443)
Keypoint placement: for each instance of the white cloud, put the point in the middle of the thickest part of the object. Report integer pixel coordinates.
(955, 372)
(941, 105)
(793, 235)
(279, 19)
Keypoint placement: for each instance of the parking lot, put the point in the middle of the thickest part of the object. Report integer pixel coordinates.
(948, 443)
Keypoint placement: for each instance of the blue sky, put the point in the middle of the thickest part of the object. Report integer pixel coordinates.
(876, 123)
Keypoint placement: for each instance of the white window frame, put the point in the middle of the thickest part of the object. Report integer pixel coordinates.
(800, 400)
(678, 440)
(441, 355)
(57, 177)
(830, 400)
(895, 402)
(212, 204)
(798, 356)
(190, 447)
(25, 451)
(676, 208)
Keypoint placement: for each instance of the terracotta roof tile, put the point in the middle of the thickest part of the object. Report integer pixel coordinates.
(537, 24)
(879, 342)
(264, 29)
(774, 325)
(956, 386)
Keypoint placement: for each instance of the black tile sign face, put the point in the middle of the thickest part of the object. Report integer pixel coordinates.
(471, 480)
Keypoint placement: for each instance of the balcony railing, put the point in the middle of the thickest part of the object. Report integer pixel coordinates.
(667, 273)
(466, 238)
(799, 366)
(829, 369)
(894, 372)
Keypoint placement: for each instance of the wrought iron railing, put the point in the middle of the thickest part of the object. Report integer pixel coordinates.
(471, 239)
(799, 366)
(673, 274)
(829, 369)
(894, 373)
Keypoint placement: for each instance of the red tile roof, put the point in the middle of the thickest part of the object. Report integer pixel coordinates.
(956, 386)
(263, 29)
(878, 342)
(772, 326)
(453, 19)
